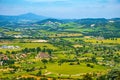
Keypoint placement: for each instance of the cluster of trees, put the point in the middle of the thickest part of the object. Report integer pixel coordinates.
(23, 51)
(37, 50)
(28, 50)
(105, 34)
(114, 74)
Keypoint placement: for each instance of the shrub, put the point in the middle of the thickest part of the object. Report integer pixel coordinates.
(39, 73)
(71, 63)
(114, 74)
(89, 65)
(87, 77)
(43, 78)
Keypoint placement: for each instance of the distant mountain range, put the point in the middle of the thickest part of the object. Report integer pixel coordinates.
(31, 16)
(27, 19)
(34, 17)
(23, 17)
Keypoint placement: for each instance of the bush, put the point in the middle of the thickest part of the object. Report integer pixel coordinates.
(29, 78)
(114, 74)
(54, 78)
(92, 66)
(87, 77)
(89, 65)
(39, 73)
(71, 63)
(103, 77)
(43, 79)
(78, 63)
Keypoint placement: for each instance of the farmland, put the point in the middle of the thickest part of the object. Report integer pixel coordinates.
(54, 50)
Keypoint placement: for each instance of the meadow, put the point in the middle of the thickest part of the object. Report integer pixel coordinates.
(70, 51)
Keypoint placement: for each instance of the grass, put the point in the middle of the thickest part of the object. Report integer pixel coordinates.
(93, 40)
(60, 34)
(88, 55)
(27, 45)
(64, 56)
(66, 35)
(65, 68)
(74, 69)
(55, 69)
(79, 29)
(1, 30)
(12, 32)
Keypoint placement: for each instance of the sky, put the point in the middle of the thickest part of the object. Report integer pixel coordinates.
(72, 9)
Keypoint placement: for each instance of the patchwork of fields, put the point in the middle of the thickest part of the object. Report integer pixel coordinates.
(64, 61)
(80, 49)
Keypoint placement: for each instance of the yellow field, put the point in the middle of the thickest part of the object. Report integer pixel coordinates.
(93, 40)
(66, 35)
(12, 32)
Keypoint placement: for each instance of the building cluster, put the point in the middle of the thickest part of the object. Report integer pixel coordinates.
(9, 47)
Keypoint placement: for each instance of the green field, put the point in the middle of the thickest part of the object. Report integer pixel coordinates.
(27, 45)
(65, 68)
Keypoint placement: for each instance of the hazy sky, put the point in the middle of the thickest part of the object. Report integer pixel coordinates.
(62, 8)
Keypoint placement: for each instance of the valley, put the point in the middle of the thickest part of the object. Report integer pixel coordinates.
(52, 49)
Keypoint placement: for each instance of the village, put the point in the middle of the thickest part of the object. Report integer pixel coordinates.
(9, 47)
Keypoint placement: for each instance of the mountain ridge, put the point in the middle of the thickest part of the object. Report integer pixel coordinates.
(27, 16)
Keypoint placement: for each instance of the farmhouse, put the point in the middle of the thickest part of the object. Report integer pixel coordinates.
(39, 41)
(23, 56)
(3, 57)
(17, 36)
(42, 55)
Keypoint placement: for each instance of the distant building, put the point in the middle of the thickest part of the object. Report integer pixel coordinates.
(111, 21)
(92, 25)
(43, 55)
(23, 56)
(39, 41)
(1, 63)
(4, 46)
(3, 57)
(17, 36)
(9, 47)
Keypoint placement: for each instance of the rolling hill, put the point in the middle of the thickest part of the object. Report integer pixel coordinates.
(23, 17)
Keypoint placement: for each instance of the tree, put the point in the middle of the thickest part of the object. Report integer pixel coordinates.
(43, 78)
(54, 78)
(114, 74)
(61, 61)
(44, 50)
(44, 61)
(39, 73)
(26, 50)
(7, 52)
(1, 52)
(28, 78)
(103, 77)
(49, 52)
(38, 49)
(94, 60)
(32, 49)
(13, 52)
(87, 77)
